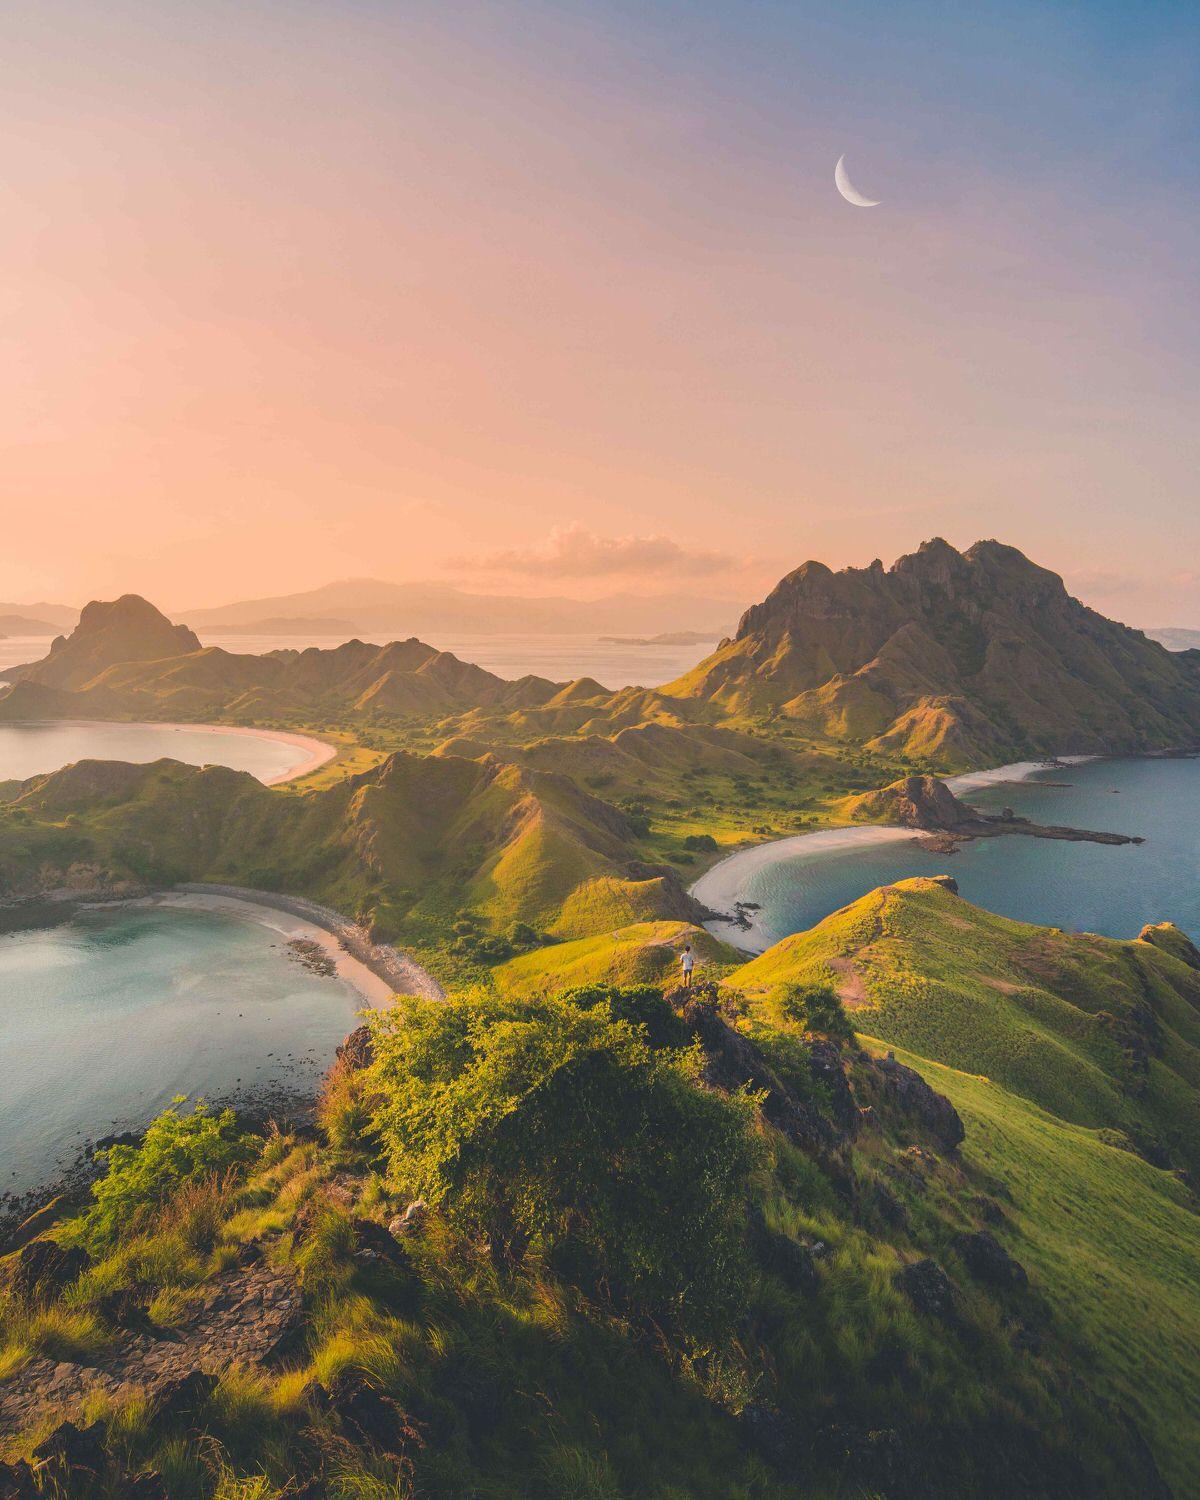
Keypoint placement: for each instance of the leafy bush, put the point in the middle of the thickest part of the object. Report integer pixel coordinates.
(177, 1150)
(818, 1009)
(701, 843)
(547, 1121)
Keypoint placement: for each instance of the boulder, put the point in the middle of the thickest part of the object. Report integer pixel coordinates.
(411, 1221)
(929, 1289)
(358, 1050)
(44, 1268)
(910, 1093)
(793, 1263)
(16, 1481)
(365, 1414)
(181, 1400)
(987, 1260)
(76, 1455)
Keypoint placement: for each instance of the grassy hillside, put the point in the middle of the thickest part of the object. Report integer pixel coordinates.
(962, 658)
(645, 953)
(1112, 1242)
(1103, 1033)
(409, 846)
(625, 1279)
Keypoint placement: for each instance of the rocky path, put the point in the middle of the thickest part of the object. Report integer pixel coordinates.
(245, 1316)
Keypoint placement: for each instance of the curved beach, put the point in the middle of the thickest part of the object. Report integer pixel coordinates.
(376, 970)
(724, 886)
(318, 752)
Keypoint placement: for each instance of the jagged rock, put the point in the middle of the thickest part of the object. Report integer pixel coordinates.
(44, 1268)
(987, 1260)
(16, 1481)
(75, 1452)
(929, 1289)
(913, 1095)
(988, 1209)
(358, 1050)
(367, 1415)
(732, 1061)
(411, 1221)
(35, 1224)
(792, 1262)
(827, 1065)
(180, 1400)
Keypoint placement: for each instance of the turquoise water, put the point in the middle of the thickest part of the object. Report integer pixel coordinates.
(31, 749)
(1101, 888)
(104, 1020)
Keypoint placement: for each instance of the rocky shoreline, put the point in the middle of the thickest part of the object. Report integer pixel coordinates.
(396, 971)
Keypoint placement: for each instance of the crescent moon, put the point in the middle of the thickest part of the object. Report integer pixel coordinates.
(848, 190)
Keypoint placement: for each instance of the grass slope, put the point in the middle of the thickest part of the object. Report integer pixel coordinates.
(1112, 1242)
(1101, 1032)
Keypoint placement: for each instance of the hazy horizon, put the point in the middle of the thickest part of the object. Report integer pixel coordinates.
(313, 292)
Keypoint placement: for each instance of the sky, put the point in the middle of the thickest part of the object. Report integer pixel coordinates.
(561, 298)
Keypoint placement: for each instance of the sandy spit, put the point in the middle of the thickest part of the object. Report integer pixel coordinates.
(725, 884)
(376, 970)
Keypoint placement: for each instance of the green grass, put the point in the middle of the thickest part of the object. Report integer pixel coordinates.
(1101, 1032)
(645, 953)
(1111, 1241)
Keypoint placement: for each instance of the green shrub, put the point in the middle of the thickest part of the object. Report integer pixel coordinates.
(818, 1009)
(701, 843)
(178, 1150)
(544, 1120)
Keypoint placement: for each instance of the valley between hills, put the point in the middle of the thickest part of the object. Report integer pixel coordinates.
(904, 1206)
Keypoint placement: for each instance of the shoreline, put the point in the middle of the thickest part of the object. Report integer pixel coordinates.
(721, 887)
(376, 971)
(320, 752)
(379, 971)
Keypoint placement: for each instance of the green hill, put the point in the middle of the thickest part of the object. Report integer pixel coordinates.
(407, 845)
(1102, 1033)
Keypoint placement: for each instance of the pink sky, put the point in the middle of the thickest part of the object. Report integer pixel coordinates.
(296, 293)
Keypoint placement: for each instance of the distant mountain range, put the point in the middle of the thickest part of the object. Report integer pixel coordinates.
(429, 609)
(1174, 639)
(949, 659)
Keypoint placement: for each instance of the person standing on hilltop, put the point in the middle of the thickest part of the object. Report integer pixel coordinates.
(687, 962)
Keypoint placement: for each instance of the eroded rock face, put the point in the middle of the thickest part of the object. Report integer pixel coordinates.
(358, 1050)
(929, 1289)
(44, 1268)
(910, 1092)
(732, 1061)
(987, 1260)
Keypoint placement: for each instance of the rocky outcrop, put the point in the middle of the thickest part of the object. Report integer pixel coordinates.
(1168, 938)
(128, 629)
(972, 657)
(43, 1268)
(246, 1316)
(910, 1094)
(929, 1290)
(927, 804)
(988, 1261)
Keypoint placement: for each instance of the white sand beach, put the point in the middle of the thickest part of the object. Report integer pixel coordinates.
(725, 884)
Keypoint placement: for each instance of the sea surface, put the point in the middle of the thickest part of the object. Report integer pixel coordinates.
(561, 658)
(31, 749)
(1110, 889)
(105, 1020)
